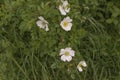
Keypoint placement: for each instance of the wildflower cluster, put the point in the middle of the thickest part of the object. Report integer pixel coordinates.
(66, 24)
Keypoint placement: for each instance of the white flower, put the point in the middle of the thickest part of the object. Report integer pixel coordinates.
(42, 23)
(64, 8)
(81, 65)
(66, 24)
(67, 54)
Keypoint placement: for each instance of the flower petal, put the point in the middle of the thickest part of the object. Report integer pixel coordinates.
(67, 10)
(72, 53)
(62, 10)
(68, 28)
(68, 58)
(63, 58)
(62, 51)
(68, 19)
(80, 69)
(46, 29)
(83, 63)
(68, 48)
(70, 24)
(39, 23)
(41, 18)
(65, 3)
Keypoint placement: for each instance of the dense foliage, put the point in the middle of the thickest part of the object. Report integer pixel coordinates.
(30, 53)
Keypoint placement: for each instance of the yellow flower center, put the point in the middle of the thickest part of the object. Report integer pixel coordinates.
(65, 24)
(67, 53)
(80, 65)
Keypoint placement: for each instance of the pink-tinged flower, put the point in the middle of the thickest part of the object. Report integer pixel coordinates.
(66, 24)
(67, 54)
(64, 7)
(81, 65)
(42, 23)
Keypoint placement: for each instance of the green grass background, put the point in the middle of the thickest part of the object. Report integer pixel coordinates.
(30, 53)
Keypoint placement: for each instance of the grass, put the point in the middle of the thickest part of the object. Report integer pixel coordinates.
(30, 53)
